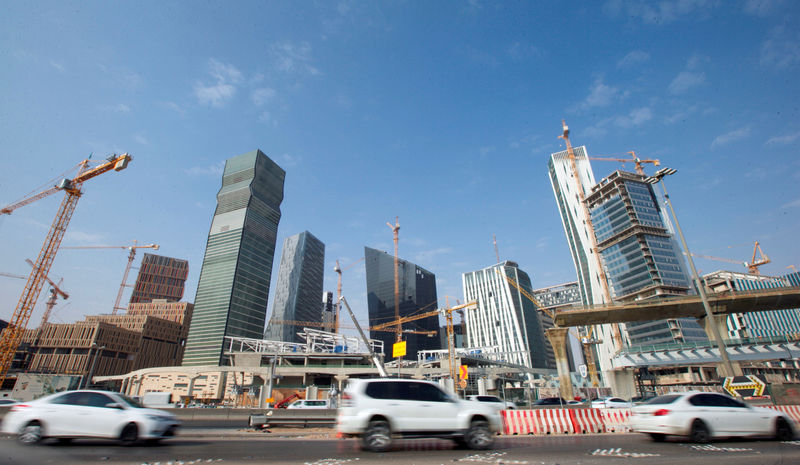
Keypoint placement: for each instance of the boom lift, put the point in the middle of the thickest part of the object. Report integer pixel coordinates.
(338, 271)
(12, 336)
(131, 256)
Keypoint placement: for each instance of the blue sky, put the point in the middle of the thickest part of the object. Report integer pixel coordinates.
(441, 113)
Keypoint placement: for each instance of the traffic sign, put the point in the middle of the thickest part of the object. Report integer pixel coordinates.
(744, 386)
(582, 370)
(462, 384)
(463, 372)
(399, 349)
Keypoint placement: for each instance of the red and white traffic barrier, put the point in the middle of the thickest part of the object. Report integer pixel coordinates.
(587, 420)
(616, 420)
(791, 410)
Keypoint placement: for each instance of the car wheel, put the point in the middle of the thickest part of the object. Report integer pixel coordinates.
(378, 436)
(699, 432)
(129, 434)
(31, 433)
(783, 430)
(658, 437)
(478, 435)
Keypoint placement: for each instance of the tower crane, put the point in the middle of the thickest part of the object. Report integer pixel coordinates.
(338, 271)
(395, 229)
(590, 228)
(751, 266)
(12, 336)
(636, 161)
(586, 342)
(131, 255)
(55, 292)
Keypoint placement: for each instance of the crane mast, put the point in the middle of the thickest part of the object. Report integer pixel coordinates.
(12, 335)
(399, 330)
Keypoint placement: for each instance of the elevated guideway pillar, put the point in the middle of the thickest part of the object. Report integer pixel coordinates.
(558, 339)
(721, 323)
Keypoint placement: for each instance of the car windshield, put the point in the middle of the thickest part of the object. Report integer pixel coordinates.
(131, 402)
(668, 399)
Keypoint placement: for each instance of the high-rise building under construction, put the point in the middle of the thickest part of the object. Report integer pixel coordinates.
(233, 289)
(298, 288)
(417, 294)
(160, 278)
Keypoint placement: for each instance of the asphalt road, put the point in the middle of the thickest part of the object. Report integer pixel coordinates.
(317, 448)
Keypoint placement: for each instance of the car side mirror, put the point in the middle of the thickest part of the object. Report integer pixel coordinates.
(114, 405)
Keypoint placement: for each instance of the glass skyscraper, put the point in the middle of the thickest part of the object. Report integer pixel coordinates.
(417, 295)
(505, 317)
(638, 253)
(299, 287)
(233, 289)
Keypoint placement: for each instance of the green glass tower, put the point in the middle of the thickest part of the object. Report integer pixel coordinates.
(233, 289)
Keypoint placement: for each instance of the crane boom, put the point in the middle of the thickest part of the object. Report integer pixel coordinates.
(12, 336)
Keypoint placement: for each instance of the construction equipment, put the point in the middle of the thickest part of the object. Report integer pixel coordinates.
(375, 359)
(131, 255)
(586, 342)
(751, 266)
(636, 161)
(496, 252)
(395, 229)
(755, 263)
(12, 336)
(55, 291)
(338, 307)
(319, 324)
(617, 335)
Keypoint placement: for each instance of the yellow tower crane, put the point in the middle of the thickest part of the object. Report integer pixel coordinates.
(12, 335)
(131, 255)
(395, 229)
(637, 162)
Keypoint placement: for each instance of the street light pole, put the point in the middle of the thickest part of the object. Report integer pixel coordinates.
(94, 362)
(659, 178)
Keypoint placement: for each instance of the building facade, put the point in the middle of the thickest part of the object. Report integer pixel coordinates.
(160, 278)
(417, 295)
(554, 299)
(233, 288)
(298, 287)
(774, 323)
(639, 255)
(568, 191)
(505, 318)
(328, 312)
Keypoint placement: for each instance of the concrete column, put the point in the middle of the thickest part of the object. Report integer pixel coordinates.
(124, 388)
(190, 387)
(721, 322)
(558, 339)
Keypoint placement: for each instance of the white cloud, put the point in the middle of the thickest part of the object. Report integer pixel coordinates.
(213, 170)
(600, 95)
(291, 57)
(121, 108)
(57, 66)
(795, 204)
(783, 140)
(636, 117)
(141, 139)
(83, 237)
(762, 8)
(223, 90)
(262, 96)
(427, 256)
(684, 81)
(781, 50)
(633, 58)
(520, 51)
(665, 11)
(174, 107)
(288, 160)
(729, 137)
(681, 115)
(266, 118)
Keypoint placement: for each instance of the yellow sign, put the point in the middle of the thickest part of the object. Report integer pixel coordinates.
(463, 372)
(269, 400)
(399, 349)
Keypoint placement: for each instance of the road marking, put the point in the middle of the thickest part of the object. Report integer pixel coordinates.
(793, 443)
(331, 461)
(617, 452)
(713, 448)
(492, 457)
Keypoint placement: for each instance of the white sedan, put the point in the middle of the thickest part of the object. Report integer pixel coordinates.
(611, 402)
(701, 416)
(87, 414)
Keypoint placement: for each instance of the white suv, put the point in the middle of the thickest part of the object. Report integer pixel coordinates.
(495, 401)
(377, 409)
